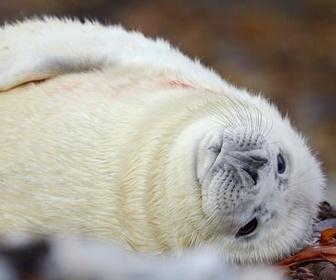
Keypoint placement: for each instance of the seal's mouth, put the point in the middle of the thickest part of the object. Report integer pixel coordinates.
(248, 228)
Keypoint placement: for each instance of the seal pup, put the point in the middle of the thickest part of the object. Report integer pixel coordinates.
(111, 135)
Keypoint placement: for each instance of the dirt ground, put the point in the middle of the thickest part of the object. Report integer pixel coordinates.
(284, 49)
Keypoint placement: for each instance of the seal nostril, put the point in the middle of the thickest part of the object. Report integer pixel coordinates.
(253, 174)
(259, 161)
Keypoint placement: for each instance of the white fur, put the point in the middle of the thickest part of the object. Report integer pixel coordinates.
(100, 129)
(64, 258)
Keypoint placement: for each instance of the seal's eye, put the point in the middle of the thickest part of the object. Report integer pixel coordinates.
(281, 164)
(248, 228)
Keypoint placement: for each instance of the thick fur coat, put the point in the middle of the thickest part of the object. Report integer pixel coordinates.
(102, 135)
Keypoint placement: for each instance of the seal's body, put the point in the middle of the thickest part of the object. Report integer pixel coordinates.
(107, 134)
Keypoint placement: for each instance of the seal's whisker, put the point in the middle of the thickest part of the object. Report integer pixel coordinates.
(260, 119)
(304, 172)
(223, 118)
(304, 181)
(297, 179)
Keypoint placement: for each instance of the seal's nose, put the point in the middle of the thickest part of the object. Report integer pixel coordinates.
(253, 164)
(249, 163)
(253, 174)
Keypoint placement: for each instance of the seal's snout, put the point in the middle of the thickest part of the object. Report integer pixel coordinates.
(253, 168)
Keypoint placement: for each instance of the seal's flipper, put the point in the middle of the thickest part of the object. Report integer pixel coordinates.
(24, 68)
(19, 69)
(33, 51)
(38, 49)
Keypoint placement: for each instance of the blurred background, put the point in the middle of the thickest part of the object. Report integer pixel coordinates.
(285, 49)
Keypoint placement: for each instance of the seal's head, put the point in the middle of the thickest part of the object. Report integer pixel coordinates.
(260, 183)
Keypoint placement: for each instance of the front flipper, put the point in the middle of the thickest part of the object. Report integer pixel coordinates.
(38, 49)
(35, 50)
(24, 68)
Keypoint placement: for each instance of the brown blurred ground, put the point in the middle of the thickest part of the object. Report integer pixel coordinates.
(283, 49)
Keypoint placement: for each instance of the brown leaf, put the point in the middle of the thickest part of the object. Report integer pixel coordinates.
(327, 236)
(312, 253)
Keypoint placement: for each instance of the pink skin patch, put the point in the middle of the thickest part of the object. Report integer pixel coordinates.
(178, 84)
(184, 85)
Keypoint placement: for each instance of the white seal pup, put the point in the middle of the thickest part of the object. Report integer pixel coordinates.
(108, 134)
